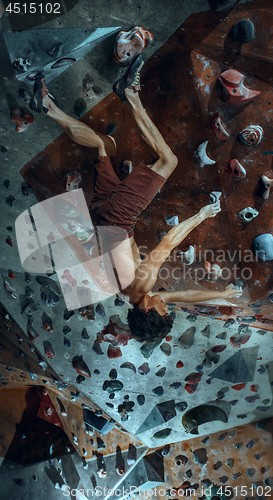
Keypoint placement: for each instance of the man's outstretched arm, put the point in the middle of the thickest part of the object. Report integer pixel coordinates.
(178, 233)
(196, 296)
(147, 271)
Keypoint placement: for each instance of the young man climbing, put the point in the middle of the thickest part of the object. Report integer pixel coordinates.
(118, 204)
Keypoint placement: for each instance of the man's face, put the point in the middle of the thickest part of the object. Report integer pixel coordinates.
(155, 302)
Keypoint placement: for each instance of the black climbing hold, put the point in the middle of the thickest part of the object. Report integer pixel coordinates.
(250, 472)
(181, 406)
(68, 314)
(141, 399)
(100, 311)
(113, 374)
(27, 278)
(6, 183)
(148, 348)
(162, 434)
(229, 322)
(84, 334)
(160, 235)
(26, 189)
(97, 348)
(10, 200)
(80, 107)
(128, 365)
(175, 385)
(161, 372)
(217, 465)
(112, 385)
(67, 342)
(242, 32)
(100, 443)
(66, 330)
(250, 443)
(118, 301)
(165, 451)
(200, 456)
(97, 89)
(158, 390)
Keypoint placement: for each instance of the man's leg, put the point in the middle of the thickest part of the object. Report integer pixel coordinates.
(78, 131)
(166, 160)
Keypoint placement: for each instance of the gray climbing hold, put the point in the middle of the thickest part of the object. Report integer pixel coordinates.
(202, 414)
(187, 338)
(248, 214)
(147, 349)
(166, 348)
(251, 472)
(215, 196)
(162, 412)
(144, 369)
(222, 335)
(240, 367)
(230, 462)
(172, 220)
(206, 331)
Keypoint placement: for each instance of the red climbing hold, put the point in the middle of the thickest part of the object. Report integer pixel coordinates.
(219, 348)
(193, 378)
(190, 388)
(238, 387)
(179, 364)
(114, 352)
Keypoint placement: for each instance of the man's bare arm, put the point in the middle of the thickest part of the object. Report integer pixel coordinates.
(196, 296)
(146, 273)
(178, 233)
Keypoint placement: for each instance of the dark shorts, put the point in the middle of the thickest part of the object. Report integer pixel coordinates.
(119, 203)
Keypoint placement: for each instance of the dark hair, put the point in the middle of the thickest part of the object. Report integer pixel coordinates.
(149, 325)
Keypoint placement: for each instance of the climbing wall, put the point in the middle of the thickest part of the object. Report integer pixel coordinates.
(209, 374)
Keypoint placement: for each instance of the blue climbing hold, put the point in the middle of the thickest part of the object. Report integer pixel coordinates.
(263, 247)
